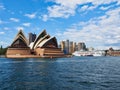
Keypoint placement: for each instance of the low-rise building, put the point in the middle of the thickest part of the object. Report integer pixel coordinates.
(112, 52)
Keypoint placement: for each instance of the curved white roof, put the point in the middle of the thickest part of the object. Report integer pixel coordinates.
(45, 41)
(41, 35)
(41, 40)
(31, 45)
(21, 36)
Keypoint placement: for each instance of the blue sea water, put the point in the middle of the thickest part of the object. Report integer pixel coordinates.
(76, 73)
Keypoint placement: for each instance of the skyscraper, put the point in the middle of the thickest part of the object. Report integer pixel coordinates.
(67, 46)
(71, 47)
(32, 37)
(62, 45)
(81, 46)
(75, 46)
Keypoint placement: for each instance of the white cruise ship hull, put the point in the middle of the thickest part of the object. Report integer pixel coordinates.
(89, 53)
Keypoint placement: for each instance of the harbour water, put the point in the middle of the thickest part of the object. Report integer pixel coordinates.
(76, 73)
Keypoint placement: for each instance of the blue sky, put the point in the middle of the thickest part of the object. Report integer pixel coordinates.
(95, 22)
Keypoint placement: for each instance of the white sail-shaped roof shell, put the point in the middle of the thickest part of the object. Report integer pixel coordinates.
(45, 41)
(40, 36)
(21, 36)
(41, 40)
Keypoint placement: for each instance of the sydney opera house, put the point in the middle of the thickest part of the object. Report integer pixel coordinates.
(43, 46)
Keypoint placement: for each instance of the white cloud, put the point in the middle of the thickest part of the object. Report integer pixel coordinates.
(20, 28)
(118, 3)
(92, 7)
(14, 19)
(2, 33)
(60, 11)
(45, 17)
(26, 24)
(66, 8)
(85, 7)
(3, 43)
(6, 28)
(106, 7)
(31, 16)
(2, 7)
(99, 32)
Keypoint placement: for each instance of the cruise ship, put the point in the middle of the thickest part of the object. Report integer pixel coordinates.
(89, 53)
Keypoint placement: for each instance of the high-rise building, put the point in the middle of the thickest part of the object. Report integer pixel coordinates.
(71, 47)
(81, 46)
(62, 45)
(32, 37)
(67, 46)
(75, 46)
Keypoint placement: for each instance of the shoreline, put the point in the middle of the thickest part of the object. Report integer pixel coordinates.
(36, 56)
(1, 56)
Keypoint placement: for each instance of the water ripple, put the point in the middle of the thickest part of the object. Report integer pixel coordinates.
(76, 73)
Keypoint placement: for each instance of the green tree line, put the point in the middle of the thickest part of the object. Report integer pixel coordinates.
(3, 50)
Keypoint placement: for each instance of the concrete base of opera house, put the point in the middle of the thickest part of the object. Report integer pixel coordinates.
(38, 53)
(33, 56)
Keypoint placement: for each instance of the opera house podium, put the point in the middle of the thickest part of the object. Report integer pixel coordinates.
(43, 46)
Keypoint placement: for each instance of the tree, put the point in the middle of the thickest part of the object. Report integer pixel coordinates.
(3, 51)
(1, 47)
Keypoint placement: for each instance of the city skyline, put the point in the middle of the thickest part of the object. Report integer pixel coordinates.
(94, 22)
(69, 47)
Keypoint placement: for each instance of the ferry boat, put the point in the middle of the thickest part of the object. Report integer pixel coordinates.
(89, 53)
